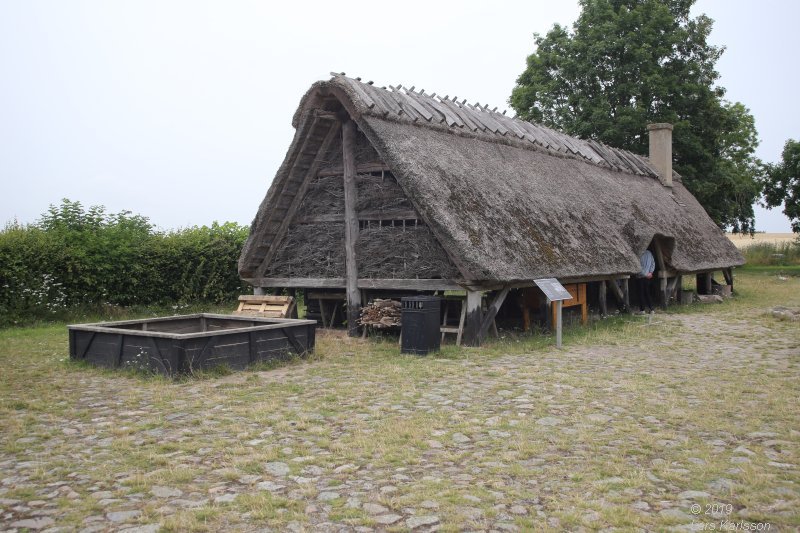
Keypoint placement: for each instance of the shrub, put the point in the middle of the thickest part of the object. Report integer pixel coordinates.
(75, 257)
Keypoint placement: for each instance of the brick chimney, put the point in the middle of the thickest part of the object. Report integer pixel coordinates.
(661, 151)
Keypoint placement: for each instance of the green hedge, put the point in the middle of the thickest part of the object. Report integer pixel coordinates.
(76, 257)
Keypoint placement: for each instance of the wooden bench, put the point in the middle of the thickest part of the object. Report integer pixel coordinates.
(578, 293)
(265, 306)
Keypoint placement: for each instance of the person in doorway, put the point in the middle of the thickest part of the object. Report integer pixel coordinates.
(648, 264)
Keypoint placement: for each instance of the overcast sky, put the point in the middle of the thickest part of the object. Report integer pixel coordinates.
(181, 110)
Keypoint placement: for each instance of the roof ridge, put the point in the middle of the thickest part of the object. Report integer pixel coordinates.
(407, 104)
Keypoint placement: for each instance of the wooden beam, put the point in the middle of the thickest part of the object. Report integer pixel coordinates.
(704, 283)
(364, 215)
(663, 298)
(494, 307)
(626, 294)
(728, 274)
(619, 294)
(473, 320)
(364, 283)
(364, 168)
(601, 296)
(298, 198)
(671, 286)
(351, 226)
(520, 284)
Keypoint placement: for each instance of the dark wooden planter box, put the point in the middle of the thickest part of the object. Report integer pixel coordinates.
(180, 344)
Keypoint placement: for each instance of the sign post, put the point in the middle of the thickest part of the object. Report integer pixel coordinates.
(556, 293)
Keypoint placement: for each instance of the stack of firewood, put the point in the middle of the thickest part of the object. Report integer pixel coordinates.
(381, 314)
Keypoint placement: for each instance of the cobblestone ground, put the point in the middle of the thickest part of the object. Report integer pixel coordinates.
(689, 421)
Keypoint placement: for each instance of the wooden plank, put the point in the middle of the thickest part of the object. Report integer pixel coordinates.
(364, 168)
(298, 198)
(364, 215)
(356, 86)
(351, 226)
(299, 349)
(619, 294)
(462, 113)
(494, 307)
(473, 319)
(265, 298)
(601, 296)
(728, 274)
(364, 283)
(418, 108)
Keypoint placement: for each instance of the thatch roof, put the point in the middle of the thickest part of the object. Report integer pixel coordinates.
(507, 199)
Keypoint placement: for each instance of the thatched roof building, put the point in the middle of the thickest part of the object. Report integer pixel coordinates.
(398, 189)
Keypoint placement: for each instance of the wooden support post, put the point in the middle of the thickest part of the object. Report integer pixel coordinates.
(601, 296)
(674, 289)
(351, 226)
(620, 294)
(488, 318)
(626, 295)
(728, 273)
(472, 326)
(258, 291)
(663, 296)
(704, 283)
(559, 312)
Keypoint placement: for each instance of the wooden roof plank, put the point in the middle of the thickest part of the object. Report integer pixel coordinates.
(409, 107)
(356, 85)
(420, 109)
(436, 115)
(453, 119)
(462, 114)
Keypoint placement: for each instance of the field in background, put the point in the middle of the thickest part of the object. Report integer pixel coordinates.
(744, 240)
(681, 422)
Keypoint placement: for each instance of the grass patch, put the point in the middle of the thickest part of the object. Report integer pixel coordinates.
(603, 433)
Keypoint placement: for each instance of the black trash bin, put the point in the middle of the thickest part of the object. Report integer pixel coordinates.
(420, 315)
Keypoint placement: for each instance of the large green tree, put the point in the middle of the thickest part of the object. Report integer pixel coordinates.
(782, 183)
(626, 63)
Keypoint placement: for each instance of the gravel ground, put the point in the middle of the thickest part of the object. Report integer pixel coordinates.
(682, 423)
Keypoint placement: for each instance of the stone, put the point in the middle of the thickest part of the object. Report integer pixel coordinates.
(123, 516)
(374, 508)
(743, 450)
(419, 521)
(165, 492)
(675, 514)
(327, 496)
(277, 469)
(102, 495)
(429, 504)
(693, 495)
(434, 444)
(313, 470)
(388, 519)
(549, 421)
(641, 505)
(460, 438)
(34, 523)
(517, 510)
(149, 528)
(188, 504)
(225, 498)
(598, 418)
(270, 486)
(722, 484)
